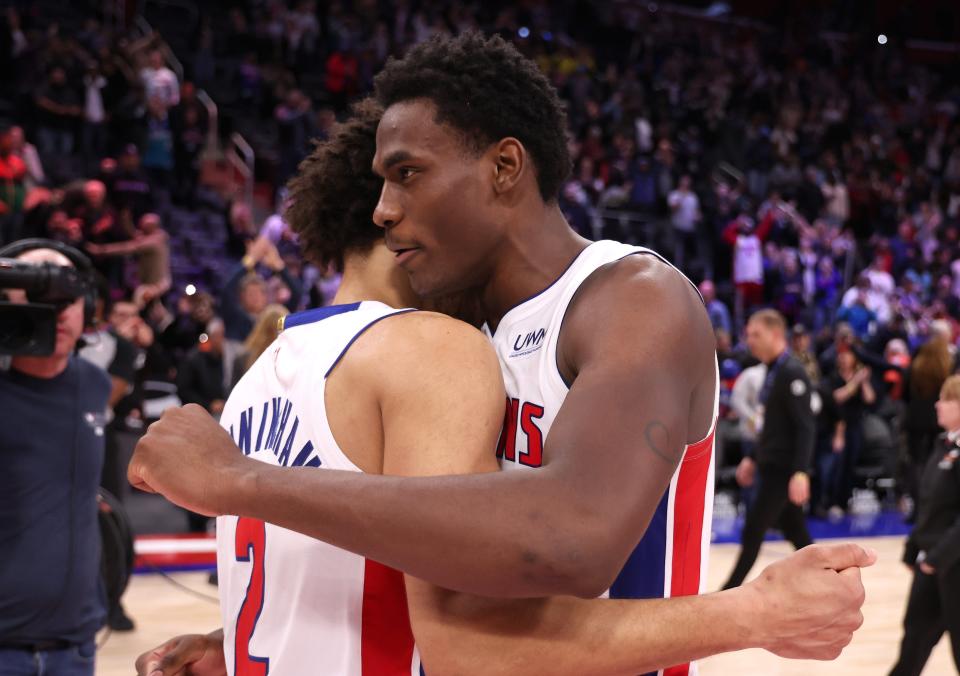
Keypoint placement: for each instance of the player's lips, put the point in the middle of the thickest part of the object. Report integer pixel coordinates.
(403, 253)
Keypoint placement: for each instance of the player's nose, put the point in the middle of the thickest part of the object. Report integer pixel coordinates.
(388, 212)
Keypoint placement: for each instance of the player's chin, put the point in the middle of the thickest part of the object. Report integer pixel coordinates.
(426, 285)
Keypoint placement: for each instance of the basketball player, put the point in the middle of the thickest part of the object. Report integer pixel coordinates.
(631, 440)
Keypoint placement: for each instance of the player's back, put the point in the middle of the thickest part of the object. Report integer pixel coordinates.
(292, 604)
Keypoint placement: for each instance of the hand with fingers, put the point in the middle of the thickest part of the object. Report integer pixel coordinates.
(189, 459)
(187, 655)
(808, 605)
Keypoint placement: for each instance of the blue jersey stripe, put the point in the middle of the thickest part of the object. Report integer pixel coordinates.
(643, 575)
(315, 315)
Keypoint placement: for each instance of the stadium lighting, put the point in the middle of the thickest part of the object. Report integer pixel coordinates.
(882, 39)
(190, 290)
(524, 32)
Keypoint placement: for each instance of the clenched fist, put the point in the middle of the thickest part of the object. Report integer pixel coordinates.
(188, 655)
(189, 459)
(808, 605)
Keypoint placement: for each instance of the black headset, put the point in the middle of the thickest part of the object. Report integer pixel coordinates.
(77, 257)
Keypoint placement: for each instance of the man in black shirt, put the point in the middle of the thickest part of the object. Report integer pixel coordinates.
(784, 449)
(51, 453)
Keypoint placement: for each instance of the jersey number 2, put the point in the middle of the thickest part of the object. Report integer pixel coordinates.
(251, 543)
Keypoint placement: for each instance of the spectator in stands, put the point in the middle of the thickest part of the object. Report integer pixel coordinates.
(293, 126)
(853, 394)
(264, 332)
(58, 108)
(31, 158)
(801, 345)
(928, 371)
(159, 82)
(855, 311)
(200, 379)
(130, 187)
(13, 173)
(241, 230)
(179, 332)
(747, 244)
(716, 308)
(245, 293)
(828, 283)
(190, 134)
(685, 217)
(158, 152)
(93, 133)
(151, 246)
(745, 402)
(837, 206)
(810, 197)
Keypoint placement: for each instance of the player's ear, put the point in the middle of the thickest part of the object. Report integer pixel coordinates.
(510, 163)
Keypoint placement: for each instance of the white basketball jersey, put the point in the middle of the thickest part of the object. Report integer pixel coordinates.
(292, 605)
(671, 559)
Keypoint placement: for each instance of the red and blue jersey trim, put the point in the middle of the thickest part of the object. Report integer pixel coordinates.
(674, 544)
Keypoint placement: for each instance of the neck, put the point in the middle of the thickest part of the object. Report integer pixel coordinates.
(777, 353)
(536, 250)
(374, 276)
(40, 367)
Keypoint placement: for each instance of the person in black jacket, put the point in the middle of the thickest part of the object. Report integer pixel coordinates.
(201, 379)
(933, 548)
(785, 447)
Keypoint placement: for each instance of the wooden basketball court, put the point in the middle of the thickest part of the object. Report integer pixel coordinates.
(162, 610)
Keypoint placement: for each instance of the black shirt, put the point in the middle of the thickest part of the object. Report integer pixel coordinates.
(852, 410)
(789, 426)
(200, 378)
(51, 450)
(938, 510)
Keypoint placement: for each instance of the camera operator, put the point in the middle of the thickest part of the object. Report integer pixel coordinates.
(784, 449)
(51, 449)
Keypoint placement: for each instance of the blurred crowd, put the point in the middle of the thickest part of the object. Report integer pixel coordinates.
(776, 167)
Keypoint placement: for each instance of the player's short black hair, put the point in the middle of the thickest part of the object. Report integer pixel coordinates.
(332, 197)
(488, 90)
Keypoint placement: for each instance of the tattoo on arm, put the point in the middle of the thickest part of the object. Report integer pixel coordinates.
(658, 439)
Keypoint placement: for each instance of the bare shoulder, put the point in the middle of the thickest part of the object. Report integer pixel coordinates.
(642, 306)
(425, 348)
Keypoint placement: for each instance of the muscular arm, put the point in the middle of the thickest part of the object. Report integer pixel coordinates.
(447, 385)
(640, 345)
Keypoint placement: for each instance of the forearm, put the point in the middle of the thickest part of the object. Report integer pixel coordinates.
(843, 394)
(117, 249)
(296, 289)
(519, 534)
(578, 637)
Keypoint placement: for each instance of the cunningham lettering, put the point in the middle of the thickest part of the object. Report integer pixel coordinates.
(269, 428)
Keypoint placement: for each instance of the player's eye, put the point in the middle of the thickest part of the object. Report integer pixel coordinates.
(406, 172)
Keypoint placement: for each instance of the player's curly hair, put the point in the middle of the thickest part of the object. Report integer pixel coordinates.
(334, 193)
(488, 90)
